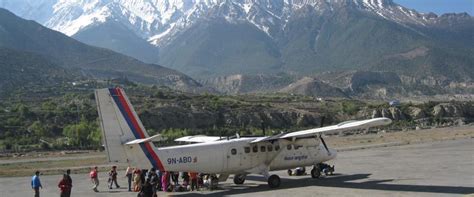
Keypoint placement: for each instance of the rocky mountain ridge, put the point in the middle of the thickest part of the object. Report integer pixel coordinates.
(156, 21)
(238, 46)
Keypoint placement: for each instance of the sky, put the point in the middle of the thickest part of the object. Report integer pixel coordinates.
(439, 6)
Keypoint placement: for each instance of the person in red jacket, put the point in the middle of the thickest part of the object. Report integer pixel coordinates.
(194, 180)
(94, 178)
(64, 186)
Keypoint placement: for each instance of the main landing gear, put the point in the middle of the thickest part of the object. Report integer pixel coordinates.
(239, 179)
(274, 181)
(315, 172)
(322, 168)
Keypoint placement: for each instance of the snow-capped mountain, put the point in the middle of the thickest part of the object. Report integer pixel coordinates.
(158, 20)
(222, 37)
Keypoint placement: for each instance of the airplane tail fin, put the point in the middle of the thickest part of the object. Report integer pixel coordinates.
(125, 139)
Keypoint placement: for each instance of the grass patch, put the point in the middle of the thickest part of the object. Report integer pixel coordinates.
(50, 167)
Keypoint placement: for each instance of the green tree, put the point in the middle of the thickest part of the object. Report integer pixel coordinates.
(84, 134)
(38, 129)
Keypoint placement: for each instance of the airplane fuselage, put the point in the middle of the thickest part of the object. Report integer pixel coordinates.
(241, 156)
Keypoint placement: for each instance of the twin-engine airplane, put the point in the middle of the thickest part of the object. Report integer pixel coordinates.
(126, 141)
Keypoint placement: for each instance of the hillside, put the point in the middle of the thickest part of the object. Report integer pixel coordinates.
(29, 36)
(23, 70)
(69, 119)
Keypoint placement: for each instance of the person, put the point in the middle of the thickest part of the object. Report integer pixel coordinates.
(175, 178)
(153, 180)
(201, 178)
(129, 175)
(194, 180)
(185, 177)
(160, 175)
(146, 189)
(136, 180)
(165, 179)
(300, 171)
(64, 186)
(36, 183)
(94, 178)
(143, 175)
(68, 182)
(113, 177)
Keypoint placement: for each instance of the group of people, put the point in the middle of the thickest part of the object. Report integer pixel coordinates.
(94, 175)
(64, 185)
(149, 182)
(146, 182)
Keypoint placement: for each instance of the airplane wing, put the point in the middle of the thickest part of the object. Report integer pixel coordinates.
(344, 126)
(198, 139)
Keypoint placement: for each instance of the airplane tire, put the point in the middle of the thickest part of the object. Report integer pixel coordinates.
(239, 179)
(274, 181)
(315, 173)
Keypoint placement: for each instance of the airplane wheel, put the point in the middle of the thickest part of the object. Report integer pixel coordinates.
(274, 181)
(315, 173)
(239, 179)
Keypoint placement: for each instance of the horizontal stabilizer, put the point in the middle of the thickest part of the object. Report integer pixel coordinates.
(157, 137)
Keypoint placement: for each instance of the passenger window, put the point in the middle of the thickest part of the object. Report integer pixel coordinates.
(233, 151)
(255, 149)
(270, 148)
(288, 147)
(297, 147)
(277, 147)
(262, 148)
(247, 149)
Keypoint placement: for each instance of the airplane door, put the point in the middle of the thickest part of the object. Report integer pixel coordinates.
(234, 156)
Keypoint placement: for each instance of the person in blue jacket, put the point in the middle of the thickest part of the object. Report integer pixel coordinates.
(36, 183)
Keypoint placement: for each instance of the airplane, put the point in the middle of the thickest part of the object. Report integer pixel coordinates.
(127, 142)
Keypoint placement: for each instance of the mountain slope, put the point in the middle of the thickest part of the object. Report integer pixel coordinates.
(29, 36)
(222, 48)
(22, 69)
(312, 87)
(120, 39)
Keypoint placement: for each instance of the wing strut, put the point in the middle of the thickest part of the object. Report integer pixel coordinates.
(324, 143)
(321, 137)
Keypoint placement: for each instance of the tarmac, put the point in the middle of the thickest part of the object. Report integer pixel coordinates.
(430, 169)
